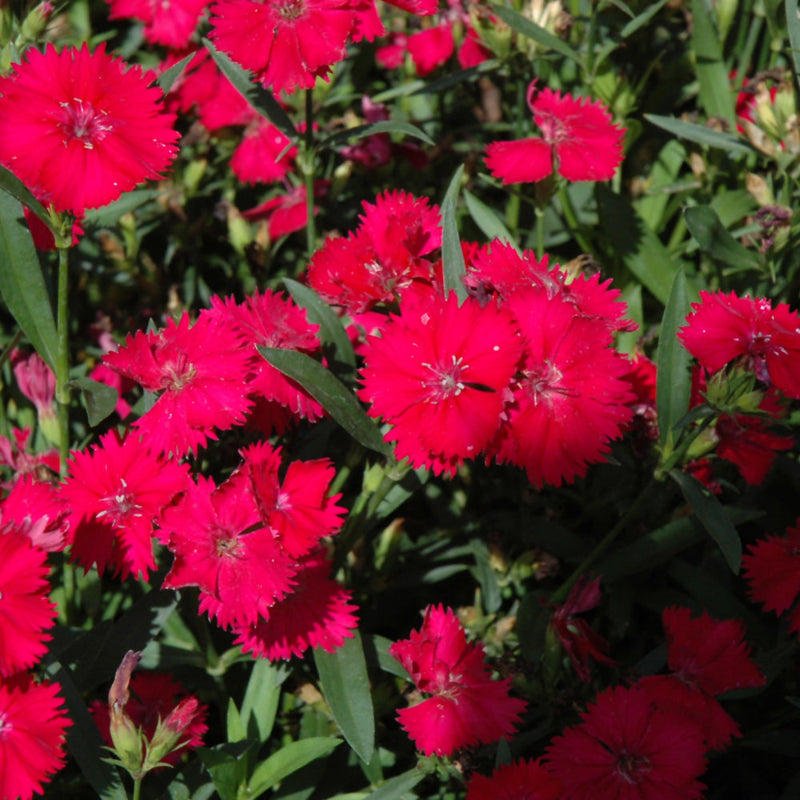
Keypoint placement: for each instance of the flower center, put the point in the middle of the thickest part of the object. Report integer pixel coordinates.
(446, 381)
(178, 374)
(80, 120)
(290, 10)
(631, 767)
(554, 131)
(226, 545)
(543, 381)
(120, 506)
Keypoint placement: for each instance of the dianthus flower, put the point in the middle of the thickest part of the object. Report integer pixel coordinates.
(578, 140)
(286, 212)
(26, 612)
(439, 374)
(467, 706)
(14, 453)
(316, 614)
(32, 735)
(520, 780)
(116, 492)
(724, 328)
(33, 508)
(571, 400)
(80, 128)
(627, 749)
(772, 569)
(169, 23)
(707, 658)
(201, 371)
(222, 545)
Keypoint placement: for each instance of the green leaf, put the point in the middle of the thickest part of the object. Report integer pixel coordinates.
(488, 220)
(673, 381)
(793, 27)
(22, 283)
(712, 516)
(452, 256)
(663, 174)
(99, 399)
(535, 32)
(106, 216)
(700, 134)
(635, 242)
(345, 685)
(256, 95)
(166, 80)
(227, 766)
(331, 330)
(447, 82)
(385, 126)
(487, 578)
(376, 649)
(287, 760)
(642, 19)
(260, 703)
(396, 787)
(714, 239)
(10, 183)
(234, 725)
(716, 95)
(331, 393)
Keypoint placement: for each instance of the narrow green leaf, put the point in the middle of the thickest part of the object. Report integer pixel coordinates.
(345, 685)
(488, 220)
(452, 79)
(260, 703)
(453, 264)
(10, 183)
(793, 27)
(635, 243)
(385, 126)
(396, 787)
(714, 239)
(712, 516)
(331, 393)
(287, 760)
(234, 725)
(166, 80)
(642, 19)
(99, 399)
(716, 95)
(376, 649)
(673, 381)
(623, 7)
(664, 173)
(535, 32)
(106, 216)
(331, 330)
(261, 99)
(700, 134)
(22, 283)
(487, 578)
(227, 766)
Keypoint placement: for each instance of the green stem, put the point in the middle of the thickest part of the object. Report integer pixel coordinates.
(641, 504)
(62, 356)
(571, 218)
(539, 233)
(308, 173)
(137, 788)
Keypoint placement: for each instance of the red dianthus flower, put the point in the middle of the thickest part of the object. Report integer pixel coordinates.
(520, 780)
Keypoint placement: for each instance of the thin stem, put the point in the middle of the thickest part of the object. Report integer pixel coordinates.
(62, 356)
(137, 788)
(571, 218)
(308, 174)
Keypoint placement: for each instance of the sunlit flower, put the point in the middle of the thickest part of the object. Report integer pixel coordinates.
(170, 23)
(33, 508)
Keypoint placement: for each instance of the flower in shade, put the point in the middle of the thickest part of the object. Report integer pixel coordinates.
(578, 140)
(520, 780)
(625, 748)
(200, 371)
(466, 706)
(570, 400)
(116, 492)
(707, 657)
(317, 614)
(286, 212)
(772, 569)
(26, 613)
(80, 128)
(724, 328)
(169, 23)
(32, 734)
(439, 374)
(14, 453)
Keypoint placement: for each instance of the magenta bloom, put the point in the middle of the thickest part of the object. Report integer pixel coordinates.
(723, 328)
(578, 140)
(627, 749)
(520, 780)
(467, 706)
(169, 23)
(117, 491)
(201, 371)
(32, 734)
(80, 128)
(34, 509)
(439, 373)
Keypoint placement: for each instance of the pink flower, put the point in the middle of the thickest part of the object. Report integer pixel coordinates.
(201, 372)
(15, 454)
(33, 508)
(772, 569)
(626, 748)
(287, 43)
(117, 490)
(439, 374)
(578, 140)
(79, 129)
(723, 328)
(467, 706)
(26, 613)
(317, 614)
(169, 23)
(287, 212)
(36, 381)
(264, 155)
(32, 733)
(520, 780)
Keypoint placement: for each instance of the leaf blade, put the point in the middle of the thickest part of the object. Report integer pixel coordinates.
(453, 264)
